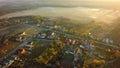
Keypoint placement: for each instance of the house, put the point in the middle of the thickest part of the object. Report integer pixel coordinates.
(15, 57)
(73, 42)
(38, 25)
(107, 40)
(43, 35)
(56, 27)
(87, 44)
(49, 27)
(23, 33)
(52, 35)
(69, 51)
(81, 46)
(91, 49)
(21, 51)
(20, 39)
(29, 45)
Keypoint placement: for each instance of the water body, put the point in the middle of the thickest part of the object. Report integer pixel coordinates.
(75, 13)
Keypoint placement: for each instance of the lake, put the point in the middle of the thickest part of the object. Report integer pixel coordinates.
(76, 13)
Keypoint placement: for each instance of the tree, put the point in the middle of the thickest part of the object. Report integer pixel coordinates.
(5, 42)
(115, 55)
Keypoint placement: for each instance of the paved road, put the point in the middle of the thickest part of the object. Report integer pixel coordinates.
(70, 35)
(14, 50)
(39, 29)
(24, 43)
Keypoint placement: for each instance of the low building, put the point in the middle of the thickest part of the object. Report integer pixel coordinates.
(20, 39)
(42, 35)
(21, 51)
(107, 40)
(52, 35)
(29, 46)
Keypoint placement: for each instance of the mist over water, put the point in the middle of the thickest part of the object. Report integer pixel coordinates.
(75, 13)
(82, 10)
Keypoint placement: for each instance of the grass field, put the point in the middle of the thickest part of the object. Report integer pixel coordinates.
(7, 48)
(13, 44)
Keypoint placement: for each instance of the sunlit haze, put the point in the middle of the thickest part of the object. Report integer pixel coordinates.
(59, 33)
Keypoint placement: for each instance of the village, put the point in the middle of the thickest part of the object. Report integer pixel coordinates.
(43, 43)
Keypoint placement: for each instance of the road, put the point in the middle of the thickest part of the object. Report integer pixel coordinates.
(39, 29)
(74, 36)
(14, 50)
(24, 43)
(61, 32)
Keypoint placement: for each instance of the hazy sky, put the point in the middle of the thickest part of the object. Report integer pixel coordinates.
(113, 2)
(82, 3)
(61, 1)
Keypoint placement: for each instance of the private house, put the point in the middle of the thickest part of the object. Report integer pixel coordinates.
(21, 51)
(107, 41)
(20, 39)
(29, 45)
(52, 35)
(42, 35)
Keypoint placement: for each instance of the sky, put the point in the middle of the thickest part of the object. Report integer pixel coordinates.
(102, 3)
(60, 1)
(67, 0)
(109, 4)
